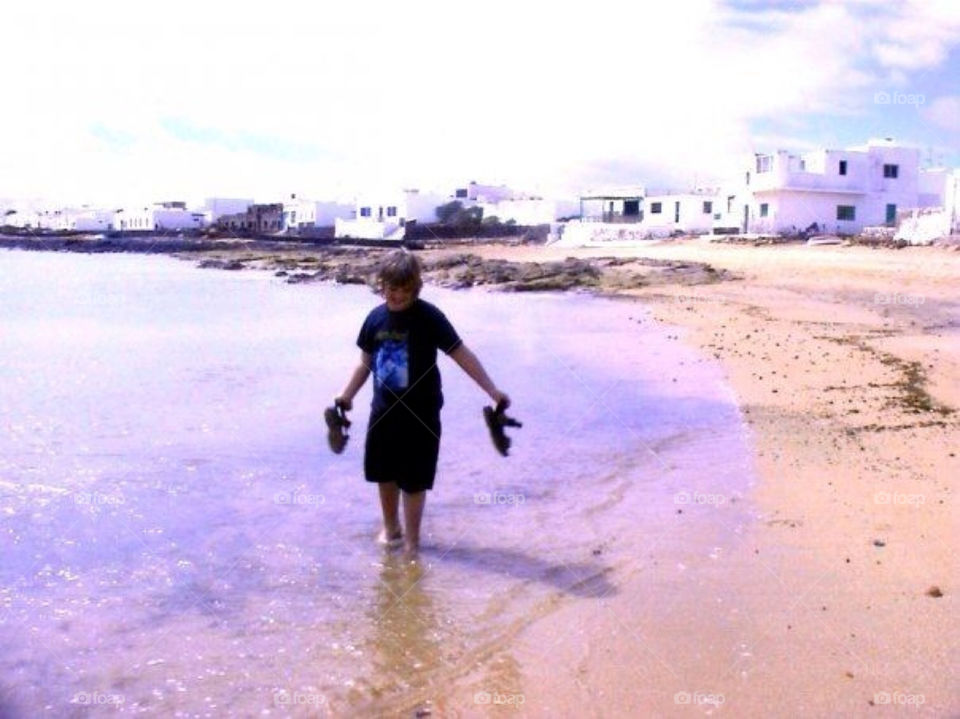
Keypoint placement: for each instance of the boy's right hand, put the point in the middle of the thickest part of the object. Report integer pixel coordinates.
(347, 404)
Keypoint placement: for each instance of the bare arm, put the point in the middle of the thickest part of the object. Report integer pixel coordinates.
(357, 379)
(469, 363)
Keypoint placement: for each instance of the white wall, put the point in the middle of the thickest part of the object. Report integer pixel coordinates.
(298, 212)
(133, 219)
(92, 220)
(692, 219)
(156, 218)
(176, 219)
(530, 212)
(328, 212)
(422, 206)
(952, 201)
(600, 234)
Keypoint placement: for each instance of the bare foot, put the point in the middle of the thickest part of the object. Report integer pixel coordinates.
(411, 550)
(390, 539)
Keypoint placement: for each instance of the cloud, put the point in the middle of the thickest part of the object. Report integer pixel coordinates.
(916, 34)
(945, 112)
(322, 99)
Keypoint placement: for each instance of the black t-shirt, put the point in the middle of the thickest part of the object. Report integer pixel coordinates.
(404, 350)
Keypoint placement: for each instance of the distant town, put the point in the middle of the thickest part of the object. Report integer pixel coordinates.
(875, 189)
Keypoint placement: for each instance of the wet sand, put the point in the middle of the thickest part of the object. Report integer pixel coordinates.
(840, 598)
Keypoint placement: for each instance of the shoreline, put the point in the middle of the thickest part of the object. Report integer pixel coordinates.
(840, 598)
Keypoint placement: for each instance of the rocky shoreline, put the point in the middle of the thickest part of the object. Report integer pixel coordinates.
(453, 265)
(459, 269)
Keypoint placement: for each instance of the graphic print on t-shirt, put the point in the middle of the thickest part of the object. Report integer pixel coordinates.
(391, 363)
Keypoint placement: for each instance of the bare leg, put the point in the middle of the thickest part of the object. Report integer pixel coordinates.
(412, 515)
(390, 504)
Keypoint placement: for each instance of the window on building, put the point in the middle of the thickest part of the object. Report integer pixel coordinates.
(747, 179)
(891, 171)
(843, 167)
(730, 199)
(764, 164)
(391, 212)
(655, 208)
(846, 212)
(364, 212)
(764, 209)
(707, 208)
(462, 194)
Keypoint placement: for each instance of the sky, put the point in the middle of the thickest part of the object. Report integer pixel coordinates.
(113, 103)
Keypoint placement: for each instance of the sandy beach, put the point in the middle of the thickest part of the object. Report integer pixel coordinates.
(840, 599)
(837, 597)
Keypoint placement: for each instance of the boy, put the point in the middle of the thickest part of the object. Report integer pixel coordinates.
(398, 343)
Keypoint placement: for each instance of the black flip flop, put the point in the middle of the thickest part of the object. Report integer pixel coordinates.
(337, 423)
(496, 421)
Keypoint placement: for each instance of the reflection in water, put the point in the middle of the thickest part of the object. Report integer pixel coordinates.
(407, 633)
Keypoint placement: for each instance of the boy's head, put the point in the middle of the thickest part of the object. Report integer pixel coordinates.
(400, 280)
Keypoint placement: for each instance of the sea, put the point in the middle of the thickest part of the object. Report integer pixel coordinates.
(177, 539)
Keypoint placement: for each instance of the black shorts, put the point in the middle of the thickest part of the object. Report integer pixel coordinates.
(402, 447)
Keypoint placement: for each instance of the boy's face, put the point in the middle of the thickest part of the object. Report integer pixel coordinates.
(399, 297)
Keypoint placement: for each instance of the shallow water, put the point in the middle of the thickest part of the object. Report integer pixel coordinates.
(177, 539)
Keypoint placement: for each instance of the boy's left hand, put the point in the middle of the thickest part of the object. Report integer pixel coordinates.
(500, 398)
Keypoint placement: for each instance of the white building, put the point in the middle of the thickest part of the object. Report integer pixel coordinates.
(300, 213)
(89, 219)
(530, 211)
(385, 216)
(836, 191)
(630, 214)
(613, 204)
(474, 192)
(159, 217)
(937, 213)
(688, 213)
(952, 201)
(509, 205)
